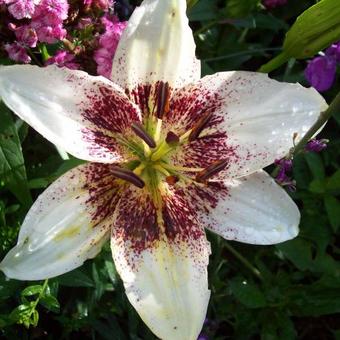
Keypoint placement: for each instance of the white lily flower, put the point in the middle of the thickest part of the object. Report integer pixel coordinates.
(170, 154)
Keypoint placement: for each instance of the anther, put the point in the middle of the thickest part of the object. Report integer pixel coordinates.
(211, 170)
(172, 138)
(162, 98)
(140, 131)
(127, 175)
(199, 126)
(171, 180)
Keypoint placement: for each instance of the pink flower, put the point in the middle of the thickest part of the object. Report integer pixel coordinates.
(49, 34)
(103, 5)
(108, 43)
(274, 3)
(25, 35)
(63, 58)
(20, 8)
(51, 11)
(48, 20)
(17, 53)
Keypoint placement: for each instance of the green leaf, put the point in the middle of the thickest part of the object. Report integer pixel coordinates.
(332, 206)
(76, 278)
(333, 183)
(315, 165)
(12, 167)
(240, 9)
(31, 290)
(50, 303)
(247, 293)
(314, 30)
(298, 251)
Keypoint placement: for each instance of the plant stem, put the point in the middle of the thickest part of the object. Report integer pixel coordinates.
(324, 116)
(242, 259)
(274, 63)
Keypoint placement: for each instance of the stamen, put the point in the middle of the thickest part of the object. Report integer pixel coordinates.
(140, 131)
(162, 98)
(199, 126)
(172, 138)
(211, 170)
(172, 180)
(127, 175)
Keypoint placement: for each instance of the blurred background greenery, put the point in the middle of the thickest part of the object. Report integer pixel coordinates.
(287, 291)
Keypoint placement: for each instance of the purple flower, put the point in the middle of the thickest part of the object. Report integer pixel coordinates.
(63, 58)
(203, 336)
(273, 3)
(334, 51)
(316, 145)
(320, 72)
(20, 8)
(17, 53)
(108, 43)
(285, 165)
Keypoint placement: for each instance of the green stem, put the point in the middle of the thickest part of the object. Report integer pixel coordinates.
(324, 116)
(274, 63)
(191, 3)
(242, 259)
(41, 293)
(34, 58)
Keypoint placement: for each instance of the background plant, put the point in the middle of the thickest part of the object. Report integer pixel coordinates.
(288, 291)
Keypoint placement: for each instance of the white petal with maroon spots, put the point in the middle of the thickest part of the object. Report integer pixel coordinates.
(163, 263)
(252, 209)
(157, 45)
(66, 225)
(253, 123)
(78, 112)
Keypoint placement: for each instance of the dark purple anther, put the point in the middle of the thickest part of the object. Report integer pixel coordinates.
(127, 175)
(140, 131)
(211, 170)
(199, 126)
(172, 138)
(162, 99)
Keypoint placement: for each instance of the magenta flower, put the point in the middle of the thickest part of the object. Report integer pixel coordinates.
(273, 3)
(20, 8)
(48, 18)
(63, 58)
(18, 53)
(108, 43)
(169, 155)
(25, 35)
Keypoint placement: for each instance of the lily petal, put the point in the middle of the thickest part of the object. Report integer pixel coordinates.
(78, 112)
(253, 120)
(253, 209)
(67, 224)
(163, 264)
(157, 45)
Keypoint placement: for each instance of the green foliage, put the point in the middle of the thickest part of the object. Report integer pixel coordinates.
(314, 30)
(296, 293)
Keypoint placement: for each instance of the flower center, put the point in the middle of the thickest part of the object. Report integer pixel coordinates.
(153, 151)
